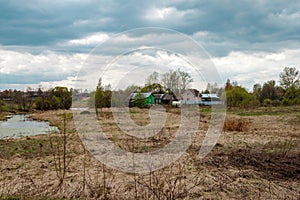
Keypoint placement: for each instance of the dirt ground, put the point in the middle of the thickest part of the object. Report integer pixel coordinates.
(257, 157)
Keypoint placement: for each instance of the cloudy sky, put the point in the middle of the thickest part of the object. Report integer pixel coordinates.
(47, 43)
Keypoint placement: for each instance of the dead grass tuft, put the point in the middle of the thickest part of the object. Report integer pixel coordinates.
(236, 124)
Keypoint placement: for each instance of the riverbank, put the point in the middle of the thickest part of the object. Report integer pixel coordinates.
(4, 114)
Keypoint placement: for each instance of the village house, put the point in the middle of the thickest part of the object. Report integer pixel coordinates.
(141, 99)
(191, 96)
(210, 99)
(164, 98)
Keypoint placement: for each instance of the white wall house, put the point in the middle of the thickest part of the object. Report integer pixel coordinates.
(191, 96)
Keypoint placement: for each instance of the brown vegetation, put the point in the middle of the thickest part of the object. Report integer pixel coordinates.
(236, 124)
(256, 157)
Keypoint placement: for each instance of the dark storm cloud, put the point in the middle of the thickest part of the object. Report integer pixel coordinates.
(49, 22)
(44, 22)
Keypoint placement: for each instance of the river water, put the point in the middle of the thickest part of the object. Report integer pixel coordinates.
(17, 126)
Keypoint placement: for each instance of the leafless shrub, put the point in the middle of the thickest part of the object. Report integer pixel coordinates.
(172, 182)
(101, 185)
(58, 147)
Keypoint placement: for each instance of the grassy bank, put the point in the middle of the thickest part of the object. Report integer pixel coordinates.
(283, 110)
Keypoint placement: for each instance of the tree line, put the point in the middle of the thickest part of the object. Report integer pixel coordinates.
(55, 98)
(172, 82)
(286, 93)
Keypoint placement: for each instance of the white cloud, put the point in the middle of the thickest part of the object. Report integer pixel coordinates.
(165, 13)
(46, 63)
(84, 22)
(245, 67)
(249, 68)
(35, 69)
(68, 82)
(132, 68)
(201, 34)
(93, 39)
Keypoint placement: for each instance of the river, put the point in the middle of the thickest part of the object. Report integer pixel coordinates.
(16, 126)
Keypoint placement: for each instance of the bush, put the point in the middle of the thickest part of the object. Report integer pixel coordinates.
(276, 103)
(47, 105)
(55, 103)
(286, 102)
(267, 102)
(250, 103)
(296, 101)
(39, 103)
(238, 96)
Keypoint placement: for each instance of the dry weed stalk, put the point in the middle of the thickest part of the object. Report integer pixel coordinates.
(58, 147)
(169, 183)
(102, 185)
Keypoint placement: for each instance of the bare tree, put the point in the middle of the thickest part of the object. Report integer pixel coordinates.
(152, 78)
(176, 81)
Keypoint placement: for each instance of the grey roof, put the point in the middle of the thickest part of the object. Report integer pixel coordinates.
(158, 96)
(209, 96)
(168, 97)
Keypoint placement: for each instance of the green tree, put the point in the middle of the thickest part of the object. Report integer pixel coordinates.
(154, 88)
(39, 103)
(289, 77)
(47, 104)
(292, 93)
(42, 104)
(139, 100)
(102, 96)
(268, 91)
(107, 98)
(257, 91)
(99, 98)
(64, 96)
(228, 85)
(238, 96)
(55, 102)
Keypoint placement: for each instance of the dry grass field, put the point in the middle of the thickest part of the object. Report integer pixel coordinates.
(257, 157)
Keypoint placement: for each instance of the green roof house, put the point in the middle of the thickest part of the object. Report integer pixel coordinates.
(141, 99)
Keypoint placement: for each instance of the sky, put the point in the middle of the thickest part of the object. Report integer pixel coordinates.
(47, 43)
